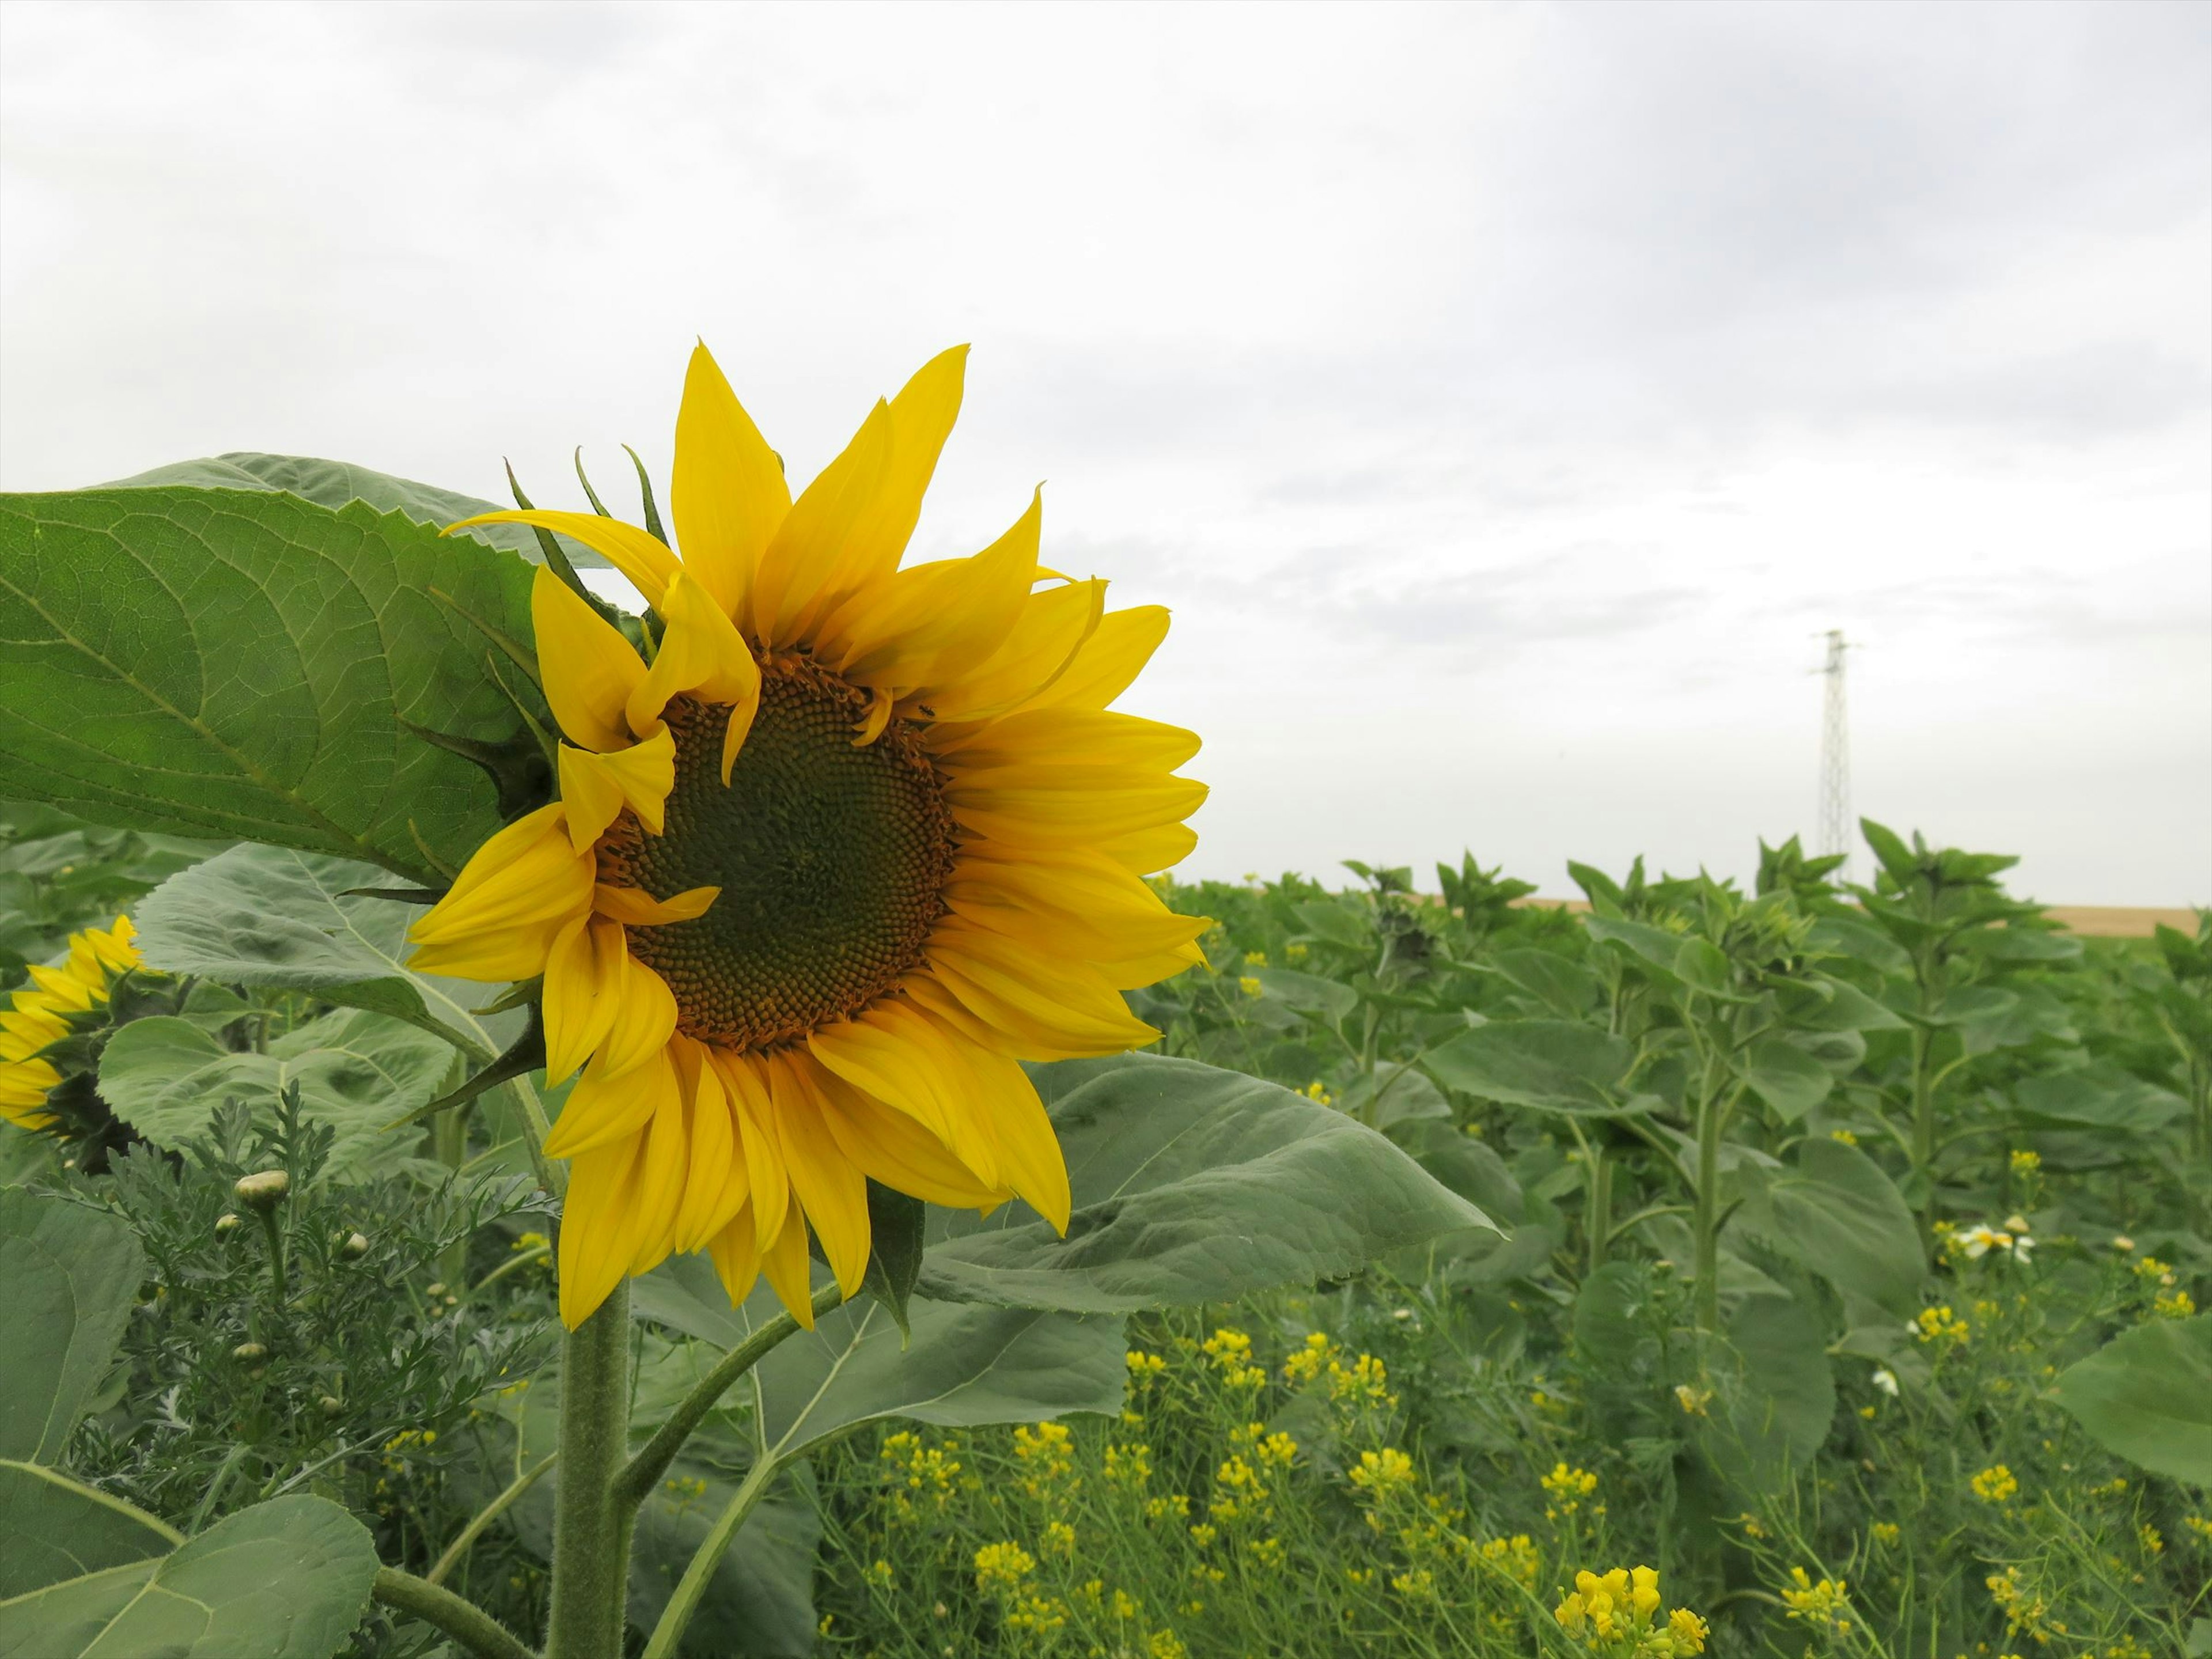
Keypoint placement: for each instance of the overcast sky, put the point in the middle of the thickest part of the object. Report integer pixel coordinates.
(1502, 396)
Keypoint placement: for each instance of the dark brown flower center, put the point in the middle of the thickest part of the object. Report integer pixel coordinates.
(832, 860)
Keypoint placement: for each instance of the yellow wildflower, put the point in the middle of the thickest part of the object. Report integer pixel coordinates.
(1994, 1485)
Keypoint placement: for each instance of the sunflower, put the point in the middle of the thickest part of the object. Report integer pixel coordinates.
(44, 1013)
(840, 848)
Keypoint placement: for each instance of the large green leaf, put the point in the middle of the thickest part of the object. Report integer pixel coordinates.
(965, 1365)
(1836, 1212)
(52, 1529)
(1560, 1065)
(1786, 1077)
(334, 484)
(1193, 1184)
(2100, 1096)
(71, 1275)
(356, 1071)
(276, 917)
(1778, 1390)
(243, 664)
(287, 1579)
(2147, 1394)
(1308, 993)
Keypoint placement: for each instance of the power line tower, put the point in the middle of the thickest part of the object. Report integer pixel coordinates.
(1835, 760)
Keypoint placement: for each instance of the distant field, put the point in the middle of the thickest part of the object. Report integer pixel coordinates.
(2098, 921)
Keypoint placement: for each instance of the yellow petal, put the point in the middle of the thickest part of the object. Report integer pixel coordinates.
(714, 1185)
(1046, 1010)
(929, 622)
(1064, 737)
(802, 556)
(659, 1194)
(583, 974)
(1133, 973)
(736, 1255)
(596, 788)
(645, 1017)
(1113, 657)
(784, 1264)
(1028, 1146)
(834, 1193)
(598, 1230)
(890, 1147)
(635, 907)
(1070, 899)
(895, 1054)
(643, 558)
(588, 668)
(1043, 640)
(727, 494)
(499, 918)
(702, 654)
(1049, 806)
(1148, 852)
(603, 1109)
(769, 1183)
(921, 418)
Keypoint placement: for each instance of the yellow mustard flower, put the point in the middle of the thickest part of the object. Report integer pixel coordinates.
(855, 841)
(1994, 1485)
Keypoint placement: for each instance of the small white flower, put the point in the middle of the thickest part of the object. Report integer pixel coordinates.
(1886, 1380)
(2020, 1246)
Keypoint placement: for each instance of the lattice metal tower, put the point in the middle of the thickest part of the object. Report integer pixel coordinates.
(1835, 760)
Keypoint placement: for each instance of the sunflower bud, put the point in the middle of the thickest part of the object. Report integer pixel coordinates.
(356, 1245)
(227, 1223)
(264, 1191)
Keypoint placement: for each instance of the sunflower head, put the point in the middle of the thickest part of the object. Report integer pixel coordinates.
(845, 842)
(51, 1033)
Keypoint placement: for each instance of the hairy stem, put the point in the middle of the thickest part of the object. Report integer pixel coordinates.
(468, 1623)
(590, 1538)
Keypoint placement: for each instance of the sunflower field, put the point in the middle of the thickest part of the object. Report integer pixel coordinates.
(708, 1126)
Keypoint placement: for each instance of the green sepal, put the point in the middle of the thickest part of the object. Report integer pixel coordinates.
(895, 1224)
(524, 1054)
(516, 765)
(645, 490)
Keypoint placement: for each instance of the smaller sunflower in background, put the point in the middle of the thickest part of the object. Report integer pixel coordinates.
(842, 847)
(58, 1003)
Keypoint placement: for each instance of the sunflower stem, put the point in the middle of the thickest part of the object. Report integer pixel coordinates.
(591, 1531)
(635, 1483)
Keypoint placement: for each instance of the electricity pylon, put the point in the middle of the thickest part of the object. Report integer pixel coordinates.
(1835, 760)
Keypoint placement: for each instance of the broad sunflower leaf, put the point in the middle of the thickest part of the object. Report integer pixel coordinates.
(1836, 1213)
(1778, 1390)
(287, 1579)
(964, 1366)
(52, 1530)
(1558, 1064)
(71, 1274)
(334, 484)
(356, 1071)
(248, 665)
(276, 917)
(1786, 1077)
(1193, 1184)
(2147, 1395)
(2098, 1096)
